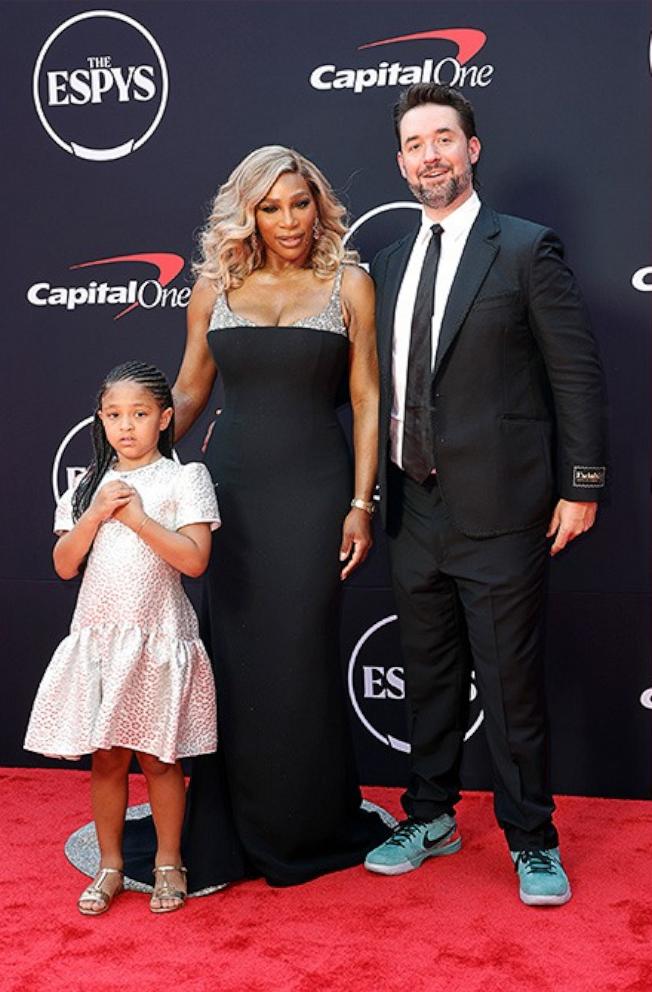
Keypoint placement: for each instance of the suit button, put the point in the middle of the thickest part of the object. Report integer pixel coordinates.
(442, 440)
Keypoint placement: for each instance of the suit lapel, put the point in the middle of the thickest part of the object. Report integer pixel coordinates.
(394, 272)
(479, 253)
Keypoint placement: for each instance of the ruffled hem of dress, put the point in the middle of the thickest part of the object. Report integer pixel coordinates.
(110, 686)
(57, 754)
(121, 647)
(111, 629)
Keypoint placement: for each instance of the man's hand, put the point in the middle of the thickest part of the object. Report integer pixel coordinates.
(569, 520)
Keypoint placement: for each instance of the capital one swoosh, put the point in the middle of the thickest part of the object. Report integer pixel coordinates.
(168, 264)
(469, 41)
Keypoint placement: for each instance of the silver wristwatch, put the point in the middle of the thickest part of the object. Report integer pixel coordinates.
(362, 504)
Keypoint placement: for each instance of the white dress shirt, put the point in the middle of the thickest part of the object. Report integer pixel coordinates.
(455, 231)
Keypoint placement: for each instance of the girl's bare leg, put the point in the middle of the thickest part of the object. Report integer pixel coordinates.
(167, 795)
(109, 790)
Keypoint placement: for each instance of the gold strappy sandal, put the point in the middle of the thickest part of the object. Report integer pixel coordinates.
(95, 893)
(163, 889)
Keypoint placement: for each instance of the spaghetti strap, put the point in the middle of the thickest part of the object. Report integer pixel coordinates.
(331, 316)
(337, 284)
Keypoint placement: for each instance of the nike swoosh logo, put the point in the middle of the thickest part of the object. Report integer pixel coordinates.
(428, 843)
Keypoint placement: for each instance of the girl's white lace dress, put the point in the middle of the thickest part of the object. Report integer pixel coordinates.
(132, 672)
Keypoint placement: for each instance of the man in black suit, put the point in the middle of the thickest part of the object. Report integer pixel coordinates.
(491, 443)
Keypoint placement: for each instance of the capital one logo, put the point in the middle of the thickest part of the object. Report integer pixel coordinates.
(100, 85)
(147, 293)
(452, 70)
(377, 690)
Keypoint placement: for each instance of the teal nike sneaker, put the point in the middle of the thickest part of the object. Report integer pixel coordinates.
(412, 842)
(543, 881)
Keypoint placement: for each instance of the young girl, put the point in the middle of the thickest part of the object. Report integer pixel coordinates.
(132, 676)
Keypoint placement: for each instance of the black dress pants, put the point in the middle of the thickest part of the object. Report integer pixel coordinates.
(471, 603)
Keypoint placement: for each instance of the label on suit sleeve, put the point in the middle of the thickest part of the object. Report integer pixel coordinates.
(589, 476)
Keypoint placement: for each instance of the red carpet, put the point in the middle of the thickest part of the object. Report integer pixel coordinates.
(454, 925)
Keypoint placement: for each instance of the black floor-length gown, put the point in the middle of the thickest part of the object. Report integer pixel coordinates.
(280, 799)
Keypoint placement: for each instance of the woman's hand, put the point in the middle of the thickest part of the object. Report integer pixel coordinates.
(358, 305)
(356, 540)
(209, 433)
(109, 499)
(132, 513)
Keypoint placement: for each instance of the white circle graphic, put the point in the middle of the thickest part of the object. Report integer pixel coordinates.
(119, 151)
(383, 208)
(642, 279)
(388, 739)
(646, 699)
(60, 450)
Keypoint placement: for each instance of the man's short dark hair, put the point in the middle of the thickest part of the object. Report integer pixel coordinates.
(424, 93)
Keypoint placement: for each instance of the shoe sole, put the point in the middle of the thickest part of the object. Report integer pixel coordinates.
(405, 866)
(545, 900)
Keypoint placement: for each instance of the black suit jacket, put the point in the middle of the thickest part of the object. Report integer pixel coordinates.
(517, 388)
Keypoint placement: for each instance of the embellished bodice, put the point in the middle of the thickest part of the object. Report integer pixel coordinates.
(328, 319)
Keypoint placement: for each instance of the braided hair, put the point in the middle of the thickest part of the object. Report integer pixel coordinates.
(103, 454)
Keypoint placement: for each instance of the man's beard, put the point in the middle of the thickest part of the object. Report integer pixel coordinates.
(441, 196)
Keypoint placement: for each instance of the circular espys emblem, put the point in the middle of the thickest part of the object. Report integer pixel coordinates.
(381, 226)
(377, 690)
(100, 85)
(77, 448)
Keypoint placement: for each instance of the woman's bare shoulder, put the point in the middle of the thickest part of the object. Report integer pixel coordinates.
(203, 295)
(356, 282)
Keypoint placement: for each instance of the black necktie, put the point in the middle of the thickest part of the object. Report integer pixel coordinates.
(417, 429)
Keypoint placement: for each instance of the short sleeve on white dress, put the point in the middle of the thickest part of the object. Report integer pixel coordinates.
(195, 498)
(63, 521)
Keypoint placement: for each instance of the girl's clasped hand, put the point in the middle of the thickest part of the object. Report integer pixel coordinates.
(113, 497)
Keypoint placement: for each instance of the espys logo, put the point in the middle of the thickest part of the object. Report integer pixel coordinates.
(375, 689)
(148, 293)
(452, 70)
(100, 85)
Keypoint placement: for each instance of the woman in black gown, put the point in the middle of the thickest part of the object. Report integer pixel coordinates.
(284, 313)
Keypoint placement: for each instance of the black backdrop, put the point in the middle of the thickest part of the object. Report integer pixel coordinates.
(561, 92)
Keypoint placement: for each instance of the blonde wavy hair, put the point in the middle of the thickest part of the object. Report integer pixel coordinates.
(228, 247)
